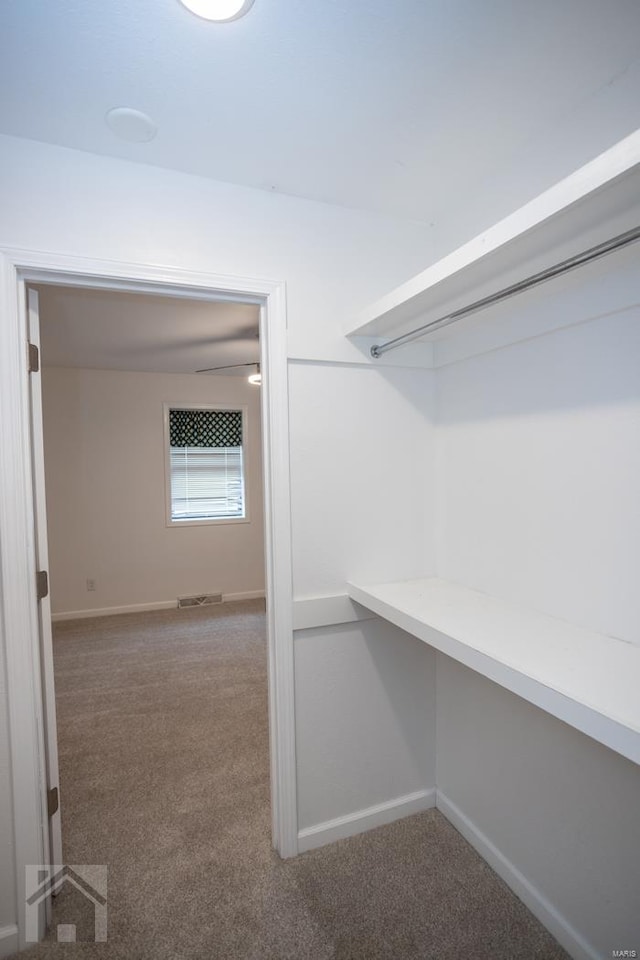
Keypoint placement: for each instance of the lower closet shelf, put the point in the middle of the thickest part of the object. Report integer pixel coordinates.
(586, 679)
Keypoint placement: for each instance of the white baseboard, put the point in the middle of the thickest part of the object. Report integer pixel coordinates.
(8, 940)
(361, 820)
(247, 595)
(569, 938)
(143, 607)
(111, 611)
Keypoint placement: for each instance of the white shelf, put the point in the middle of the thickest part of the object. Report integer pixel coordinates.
(593, 204)
(586, 679)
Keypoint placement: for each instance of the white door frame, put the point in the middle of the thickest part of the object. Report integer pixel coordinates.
(19, 622)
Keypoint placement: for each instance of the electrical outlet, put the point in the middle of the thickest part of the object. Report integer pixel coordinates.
(91, 584)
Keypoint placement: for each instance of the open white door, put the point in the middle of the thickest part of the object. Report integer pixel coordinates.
(44, 605)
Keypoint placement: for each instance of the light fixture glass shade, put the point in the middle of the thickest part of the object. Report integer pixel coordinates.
(256, 379)
(218, 10)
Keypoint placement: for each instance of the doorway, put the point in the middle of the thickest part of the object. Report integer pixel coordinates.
(153, 472)
(18, 554)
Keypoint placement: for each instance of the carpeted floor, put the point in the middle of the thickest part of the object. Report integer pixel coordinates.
(164, 777)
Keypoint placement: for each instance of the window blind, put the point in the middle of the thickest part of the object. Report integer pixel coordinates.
(206, 465)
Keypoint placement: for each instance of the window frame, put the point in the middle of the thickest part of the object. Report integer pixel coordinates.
(212, 521)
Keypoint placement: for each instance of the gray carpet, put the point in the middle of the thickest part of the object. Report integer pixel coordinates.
(165, 778)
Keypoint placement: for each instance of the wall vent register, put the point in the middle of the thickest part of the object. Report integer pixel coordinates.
(200, 600)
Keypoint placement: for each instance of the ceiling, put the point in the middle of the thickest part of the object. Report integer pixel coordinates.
(384, 105)
(111, 330)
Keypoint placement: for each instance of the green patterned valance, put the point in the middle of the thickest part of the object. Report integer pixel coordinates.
(205, 428)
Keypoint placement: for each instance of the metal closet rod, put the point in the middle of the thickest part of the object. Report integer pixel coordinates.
(593, 253)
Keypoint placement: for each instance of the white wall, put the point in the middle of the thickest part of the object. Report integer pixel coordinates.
(359, 475)
(560, 808)
(334, 261)
(538, 476)
(106, 508)
(364, 693)
(376, 750)
(539, 466)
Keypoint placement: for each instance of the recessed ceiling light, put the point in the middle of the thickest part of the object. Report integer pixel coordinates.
(218, 10)
(130, 124)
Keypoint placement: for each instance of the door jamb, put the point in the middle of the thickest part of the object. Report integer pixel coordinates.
(19, 620)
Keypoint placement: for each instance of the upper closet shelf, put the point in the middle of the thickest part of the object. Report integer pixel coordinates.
(592, 205)
(589, 680)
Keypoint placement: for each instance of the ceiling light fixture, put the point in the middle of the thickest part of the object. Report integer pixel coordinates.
(221, 11)
(255, 378)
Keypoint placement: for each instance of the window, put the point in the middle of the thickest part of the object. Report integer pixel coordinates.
(205, 464)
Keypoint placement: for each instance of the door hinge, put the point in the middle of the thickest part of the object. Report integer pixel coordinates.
(34, 358)
(53, 801)
(42, 584)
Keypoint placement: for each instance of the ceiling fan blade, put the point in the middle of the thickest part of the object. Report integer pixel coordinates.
(240, 336)
(229, 366)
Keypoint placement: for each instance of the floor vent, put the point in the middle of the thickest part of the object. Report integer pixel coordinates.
(201, 600)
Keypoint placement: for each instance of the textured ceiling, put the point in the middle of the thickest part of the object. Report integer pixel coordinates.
(386, 105)
(108, 330)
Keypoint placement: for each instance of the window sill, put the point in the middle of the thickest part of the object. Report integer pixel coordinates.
(222, 521)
